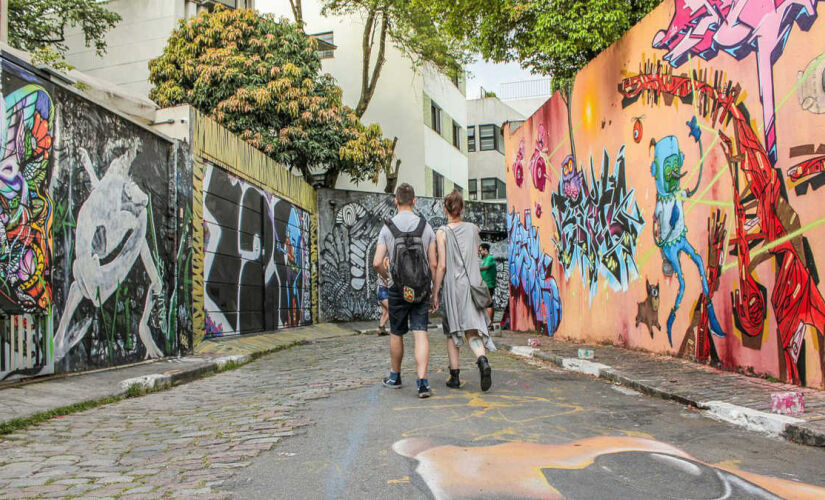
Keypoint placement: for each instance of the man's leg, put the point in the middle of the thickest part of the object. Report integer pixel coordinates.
(422, 353)
(397, 351)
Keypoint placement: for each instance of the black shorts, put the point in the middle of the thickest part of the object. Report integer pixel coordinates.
(405, 316)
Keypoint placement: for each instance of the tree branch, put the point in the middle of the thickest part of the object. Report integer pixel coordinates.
(297, 12)
(368, 83)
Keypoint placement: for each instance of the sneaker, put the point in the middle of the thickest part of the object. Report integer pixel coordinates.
(392, 384)
(486, 373)
(424, 391)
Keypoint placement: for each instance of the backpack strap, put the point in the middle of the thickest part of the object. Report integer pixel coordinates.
(419, 229)
(393, 228)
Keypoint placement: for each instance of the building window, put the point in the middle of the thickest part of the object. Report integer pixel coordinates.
(435, 117)
(472, 188)
(471, 138)
(326, 45)
(489, 188)
(457, 135)
(502, 189)
(438, 185)
(488, 137)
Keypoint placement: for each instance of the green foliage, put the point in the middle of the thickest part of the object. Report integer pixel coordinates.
(261, 78)
(552, 37)
(40, 25)
(413, 30)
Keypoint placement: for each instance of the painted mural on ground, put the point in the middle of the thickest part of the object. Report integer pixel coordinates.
(349, 227)
(584, 469)
(682, 177)
(257, 266)
(93, 232)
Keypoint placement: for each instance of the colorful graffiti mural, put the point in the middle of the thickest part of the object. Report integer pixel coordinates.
(256, 258)
(584, 469)
(531, 274)
(736, 160)
(25, 207)
(598, 223)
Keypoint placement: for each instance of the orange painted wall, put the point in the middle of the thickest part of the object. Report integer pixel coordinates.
(722, 83)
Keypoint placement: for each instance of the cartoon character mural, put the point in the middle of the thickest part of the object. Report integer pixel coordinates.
(25, 206)
(669, 229)
(737, 27)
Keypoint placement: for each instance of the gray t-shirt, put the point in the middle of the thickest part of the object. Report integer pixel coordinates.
(406, 221)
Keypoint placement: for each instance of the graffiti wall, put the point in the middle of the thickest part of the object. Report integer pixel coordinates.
(348, 229)
(93, 223)
(676, 190)
(256, 258)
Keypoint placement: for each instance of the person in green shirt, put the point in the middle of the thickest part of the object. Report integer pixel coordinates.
(488, 273)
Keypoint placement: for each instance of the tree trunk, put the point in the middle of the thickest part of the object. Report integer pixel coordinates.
(297, 11)
(369, 81)
(392, 176)
(330, 178)
(568, 93)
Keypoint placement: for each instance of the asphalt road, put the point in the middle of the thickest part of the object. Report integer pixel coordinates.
(539, 433)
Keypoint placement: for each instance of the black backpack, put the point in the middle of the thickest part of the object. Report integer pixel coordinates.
(408, 265)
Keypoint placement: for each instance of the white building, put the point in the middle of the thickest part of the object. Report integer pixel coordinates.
(487, 171)
(139, 37)
(423, 108)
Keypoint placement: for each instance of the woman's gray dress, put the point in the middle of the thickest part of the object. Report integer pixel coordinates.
(461, 312)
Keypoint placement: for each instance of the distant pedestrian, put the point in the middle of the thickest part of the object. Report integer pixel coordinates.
(458, 271)
(405, 253)
(488, 274)
(383, 294)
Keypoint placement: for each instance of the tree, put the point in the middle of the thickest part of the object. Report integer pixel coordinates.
(551, 37)
(260, 78)
(39, 26)
(409, 28)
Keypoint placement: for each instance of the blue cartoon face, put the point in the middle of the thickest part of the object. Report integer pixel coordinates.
(667, 166)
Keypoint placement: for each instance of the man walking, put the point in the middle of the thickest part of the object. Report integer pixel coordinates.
(488, 273)
(406, 251)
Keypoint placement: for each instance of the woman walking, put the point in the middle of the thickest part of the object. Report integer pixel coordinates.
(458, 270)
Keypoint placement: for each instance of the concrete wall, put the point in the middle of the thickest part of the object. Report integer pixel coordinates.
(94, 254)
(349, 223)
(687, 207)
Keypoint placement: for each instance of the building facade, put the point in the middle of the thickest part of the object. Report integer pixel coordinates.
(138, 38)
(485, 144)
(423, 108)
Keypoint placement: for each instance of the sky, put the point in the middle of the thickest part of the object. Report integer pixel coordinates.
(491, 75)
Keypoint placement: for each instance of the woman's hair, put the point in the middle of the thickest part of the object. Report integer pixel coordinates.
(454, 203)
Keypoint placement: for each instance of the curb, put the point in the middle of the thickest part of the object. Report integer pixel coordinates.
(790, 428)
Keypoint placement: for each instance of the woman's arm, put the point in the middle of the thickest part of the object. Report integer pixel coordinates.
(441, 268)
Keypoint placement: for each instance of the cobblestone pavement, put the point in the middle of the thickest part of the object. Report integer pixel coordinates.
(228, 434)
(187, 441)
